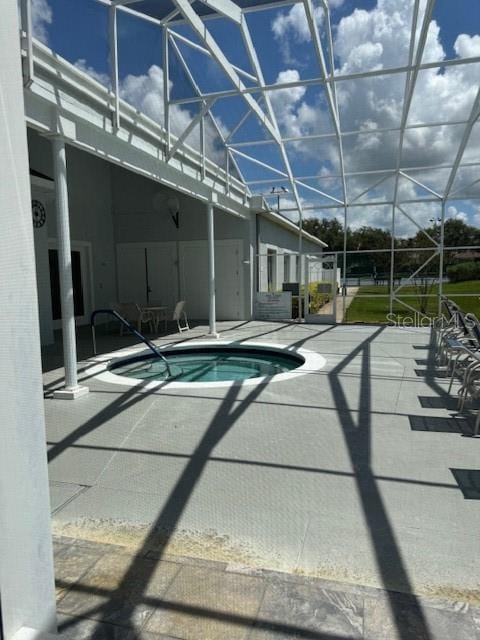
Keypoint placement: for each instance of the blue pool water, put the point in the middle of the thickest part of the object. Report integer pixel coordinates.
(213, 364)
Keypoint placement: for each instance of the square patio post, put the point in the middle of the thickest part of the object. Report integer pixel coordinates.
(26, 561)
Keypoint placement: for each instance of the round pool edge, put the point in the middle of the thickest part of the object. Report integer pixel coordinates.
(101, 368)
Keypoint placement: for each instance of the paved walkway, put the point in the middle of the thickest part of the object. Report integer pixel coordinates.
(327, 308)
(359, 474)
(189, 599)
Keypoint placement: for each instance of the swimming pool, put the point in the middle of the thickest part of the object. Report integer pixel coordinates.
(205, 364)
(209, 364)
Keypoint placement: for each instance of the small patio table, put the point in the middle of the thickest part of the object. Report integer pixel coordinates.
(159, 313)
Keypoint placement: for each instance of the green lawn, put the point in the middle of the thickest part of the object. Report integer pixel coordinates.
(375, 309)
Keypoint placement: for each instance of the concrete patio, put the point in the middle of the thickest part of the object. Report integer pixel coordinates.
(361, 474)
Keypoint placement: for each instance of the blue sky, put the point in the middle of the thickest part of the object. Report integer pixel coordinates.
(368, 34)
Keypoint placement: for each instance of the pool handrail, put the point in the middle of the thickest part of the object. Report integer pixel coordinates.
(129, 326)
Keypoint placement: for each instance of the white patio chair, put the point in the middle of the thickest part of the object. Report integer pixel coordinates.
(180, 314)
(132, 312)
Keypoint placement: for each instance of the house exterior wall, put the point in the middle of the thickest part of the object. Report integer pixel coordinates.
(91, 221)
(110, 206)
(40, 237)
(141, 216)
(279, 241)
(137, 218)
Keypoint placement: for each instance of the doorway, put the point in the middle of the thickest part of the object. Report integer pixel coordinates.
(147, 273)
(321, 287)
(81, 279)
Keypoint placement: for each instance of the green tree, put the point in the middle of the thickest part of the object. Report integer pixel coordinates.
(329, 230)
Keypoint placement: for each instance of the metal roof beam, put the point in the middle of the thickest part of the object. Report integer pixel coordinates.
(226, 8)
(204, 101)
(191, 126)
(418, 225)
(242, 120)
(206, 52)
(474, 115)
(338, 78)
(373, 186)
(412, 75)
(260, 163)
(420, 184)
(464, 188)
(309, 11)
(319, 191)
(350, 174)
(357, 132)
(252, 54)
(211, 44)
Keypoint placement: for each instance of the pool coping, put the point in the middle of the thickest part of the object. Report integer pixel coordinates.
(101, 368)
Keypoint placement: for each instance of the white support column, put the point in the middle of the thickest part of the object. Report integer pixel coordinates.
(211, 272)
(441, 258)
(166, 90)
(113, 43)
(253, 263)
(72, 389)
(26, 560)
(302, 298)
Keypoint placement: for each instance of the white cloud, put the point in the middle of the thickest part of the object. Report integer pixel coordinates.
(285, 103)
(145, 93)
(295, 22)
(453, 212)
(41, 17)
(466, 46)
(293, 25)
(102, 78)
(376, 39)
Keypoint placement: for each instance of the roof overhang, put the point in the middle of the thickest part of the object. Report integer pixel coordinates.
(290, 226)
(65, 101)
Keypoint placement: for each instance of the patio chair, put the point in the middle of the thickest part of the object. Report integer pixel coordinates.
(454, 336)
(467, 364)
(446, 326)
(132, 312)
(180, 314)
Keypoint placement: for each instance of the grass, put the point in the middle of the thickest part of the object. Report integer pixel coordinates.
(376, 308)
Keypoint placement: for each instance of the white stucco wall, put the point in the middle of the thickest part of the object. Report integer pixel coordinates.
(111, 206)
(91, 220)
(279, 239)
(26, 560)
(138, 220)
(40, 237)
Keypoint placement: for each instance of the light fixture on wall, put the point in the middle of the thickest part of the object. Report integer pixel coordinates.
(164, 202)
(173, 205)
